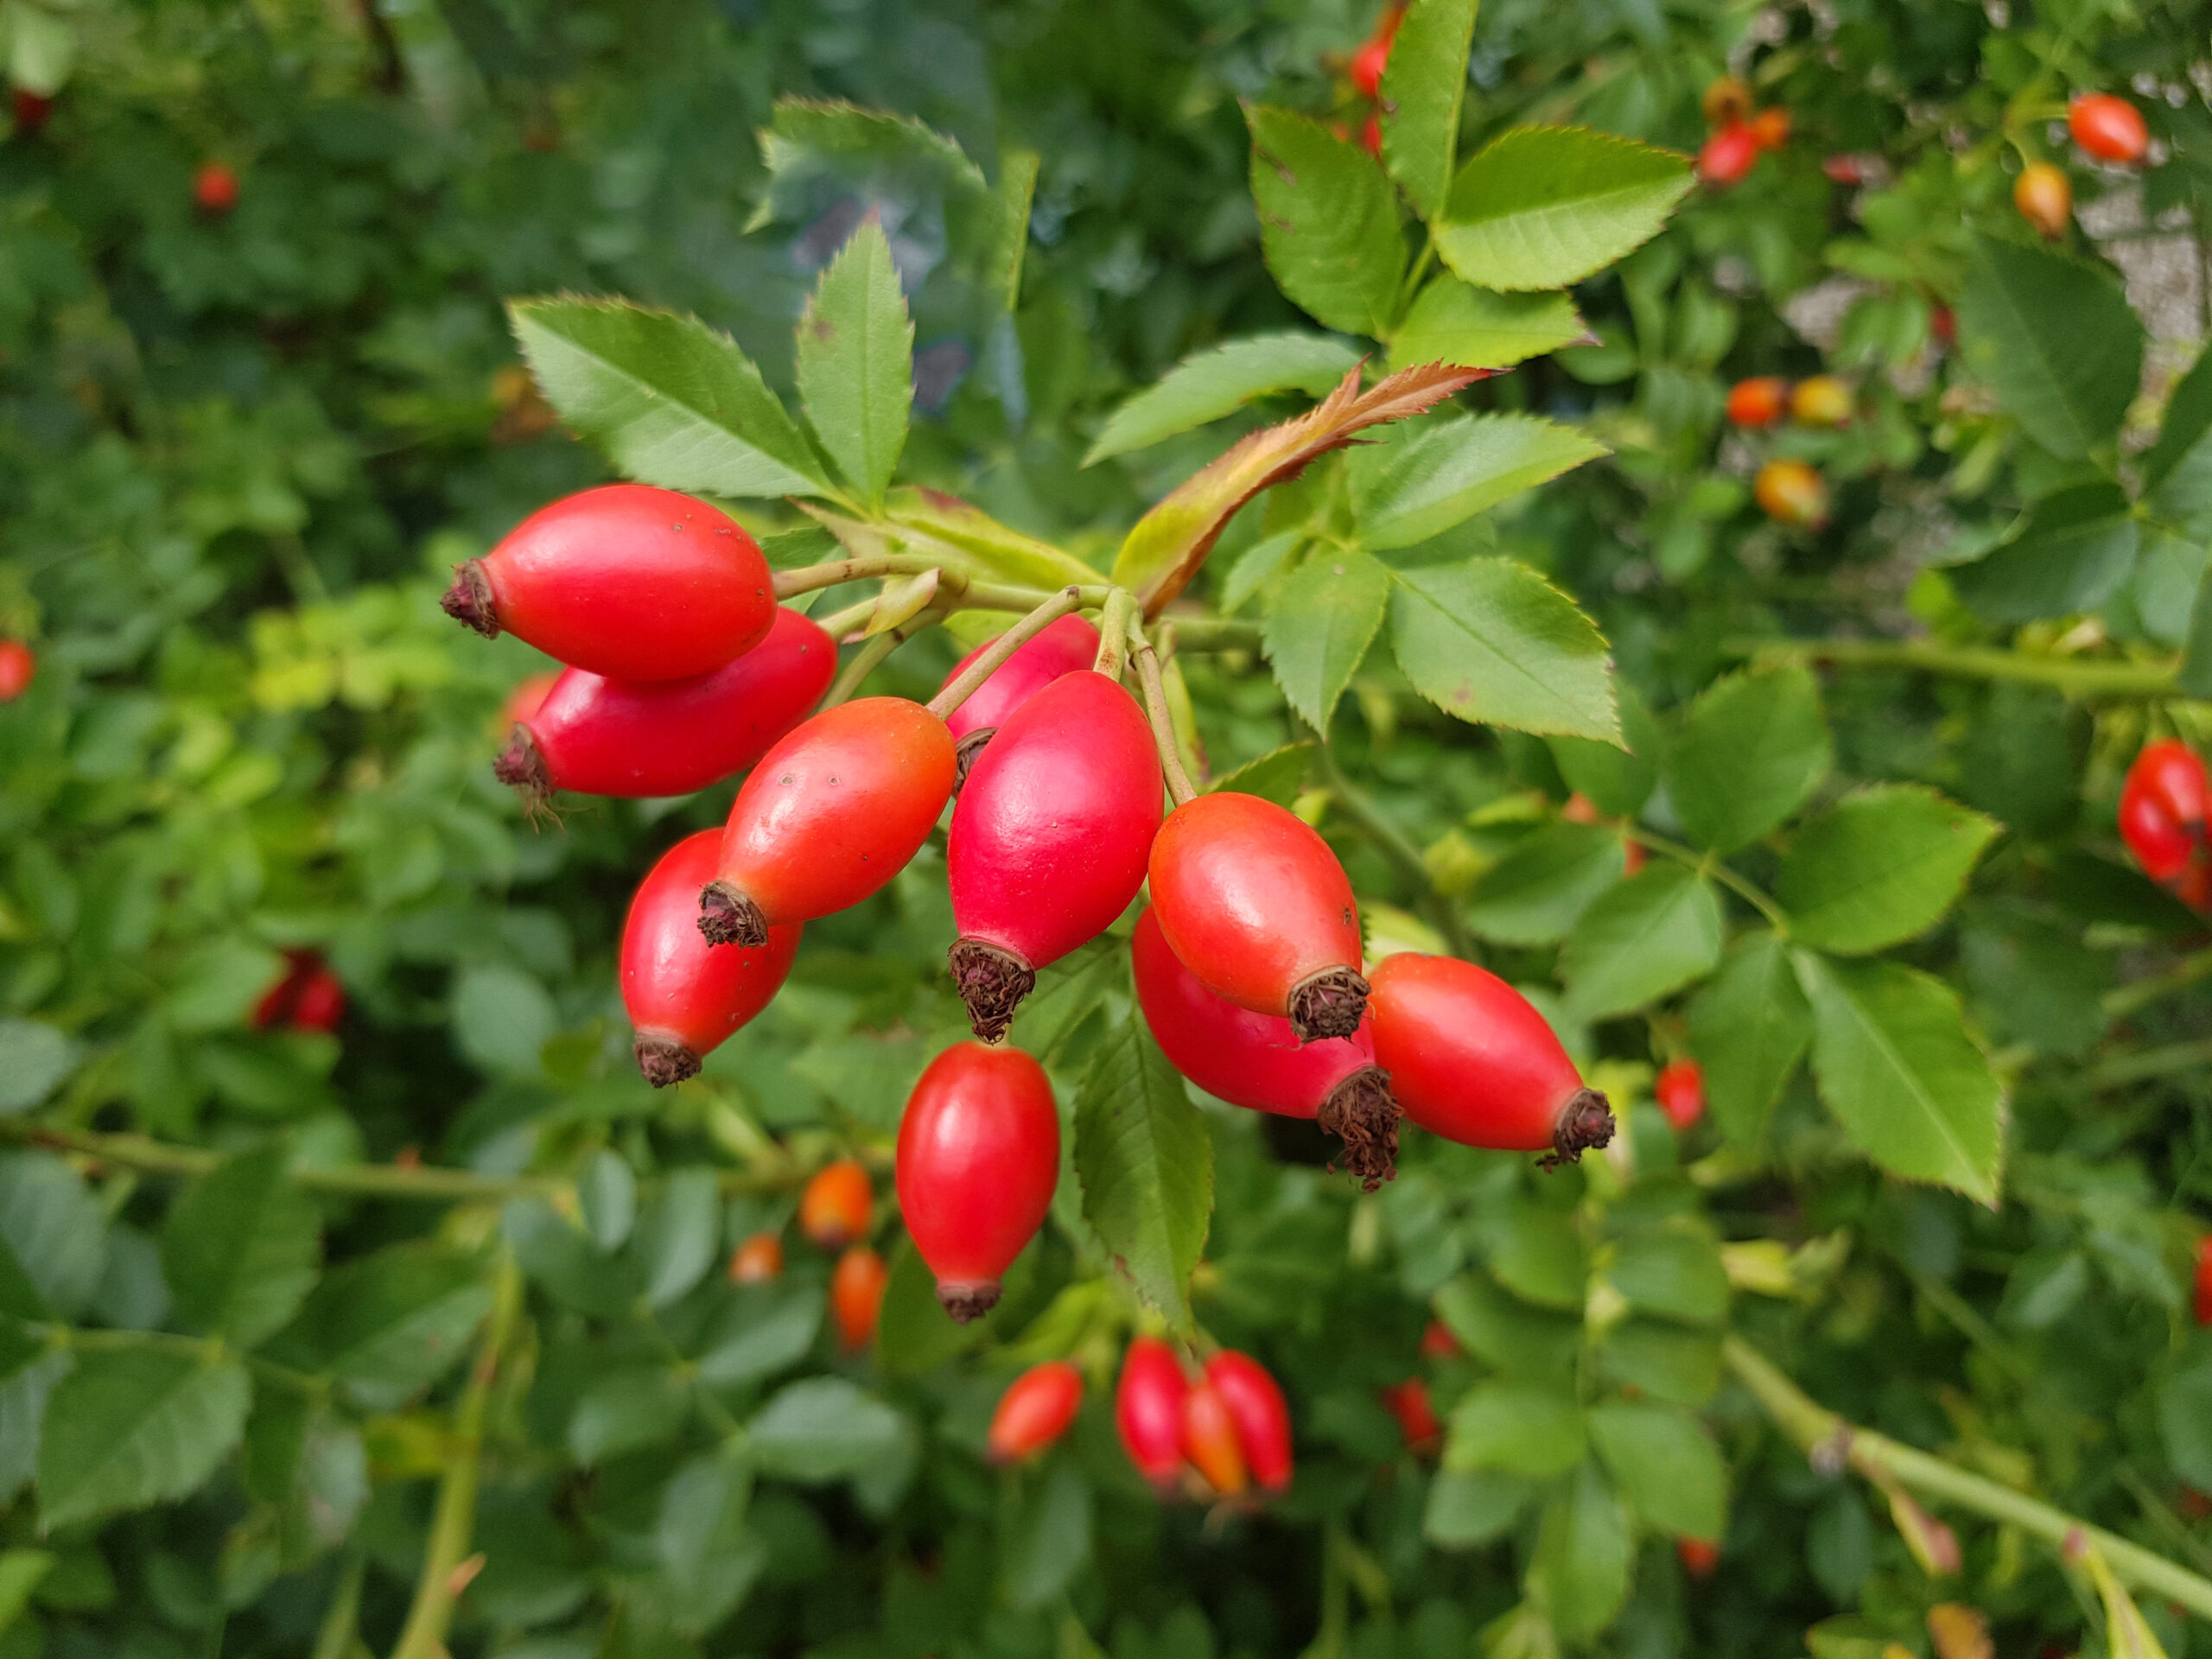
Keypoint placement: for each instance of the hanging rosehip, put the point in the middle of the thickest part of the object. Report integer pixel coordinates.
(1769, 128)
(645, 737)
(625, 580)
(1725, 157)
(1471, 1060)
(831, 814)
(18, 666)
(1262, 1417)
(1758, 400)
(1698, 1556)
(1210, 1440)
(757, 1260)
(1727, 101)
(2046, 198)
(1148, 1410)
(215, 189)
(1036, 1409)
(321, 1005)
(1821, 400)
(1370, 136)
(1680, 1090)
(275, 1009)
(1374, 56)
(685, 997)
(2163, 809)
(1256, 906)
(1256, 1060)
(856, 1295)
(1437, 1341)
(979, 1154)
(1049, 839)
(1409, 1402)
(2204, 1279)
(833, 1209)
(1068, 645)
(1791, 493)
(2108, 128)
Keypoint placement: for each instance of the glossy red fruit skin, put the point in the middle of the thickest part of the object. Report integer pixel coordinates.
(625, 580)
(2173, 771)
(1437, 1341)
(1210, 1440)
(1256, 1060)
(1261, 1416)
(1471, 1060)
(1680, 1090)
(1374, 56)
(979, 1155)
(1063, 647)
(1148, 1409)
(284, 996)
(1037, 1409)
(685, 997)
(835, 1207)
(857, 1286)
(18, 667)
(1757, 402)
(2110, 129)
(1726, 156)
(1256, 906)
(643, 738)
(1409, 1403)
(2163, 809)
(321, 1005)
(215, 189)
(830, 814)
(2204, 1279)
(1049, 838)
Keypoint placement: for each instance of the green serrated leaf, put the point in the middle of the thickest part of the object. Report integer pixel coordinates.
(1752, 749)
(34, 1057)
(672, 402)
(1050, 1538)
(1654, 933)
(1016, 192)
(53, 1239)
(822, 1428)
(1668, 1467)
(1579, 1573)
(1749, 1028)
(1522, 1428)
(391, 1323)
(1422, 478)
(2055, 339)
(135, 1426)
(2077, 547)
(1536, 892)
(1506, 1333)
(1277, 776)
(1491, 641)
(1547, 206)
(708, 1558)
(1453, 323)
(1883, 866)
(1616, 780)
(241, 1248)
(1145, 1162)
(1320, 622)
(1423, 86)
(1328, 222)
(1470, 1509)
(1894, 1064)
(856, 362)
(1209, 385)
(1672, 1275)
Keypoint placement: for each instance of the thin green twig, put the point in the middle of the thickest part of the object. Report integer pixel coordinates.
(1709, 864)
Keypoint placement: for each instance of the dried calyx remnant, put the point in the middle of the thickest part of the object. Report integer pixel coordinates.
(1586, 1123)
(969, 1301)
(992, 981)
(966, 752)
(469, 600)
(1360, 1112)
(664, 1061)
(727, 917)
(1329, 1004)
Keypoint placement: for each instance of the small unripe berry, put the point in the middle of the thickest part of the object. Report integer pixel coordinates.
(1791, 492)
(1698, 1556)
(1821, 400)
(215, 189)
(1758, 400)
(1210, 1440)
(1261, 1416)
(856, 1287)
(18, 666)
(1680, 1090)
(1769, 128)
(1148, 1410)
(2108, 128)
(1409, 1403)
(1727, 102)
(1726, 156)
(1036, 1409)
(757, 1260)
(834, 1209)
(2044, 196)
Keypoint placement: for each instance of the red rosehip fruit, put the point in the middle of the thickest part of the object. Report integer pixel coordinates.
(1758, 400)
(857, 1286)
(1726, 102)
(1437, 1341)
(625, 580)
(1049, 839)
(1726, 156)
(2163, 809)
(831, 813)
(2044, 196)
(276, 1003)
(1471, 1060)
(1256, 906)
(1148, 1410)
(1067, 644)
(833, 1207)
(1209, 1441)
(2108, 128)
(1409, 1403)
(979, 1154)
(321, 1004)
(33, 110)
(1256, 1060)
(1037, 1409)
(2204, 1279)
(1943, 324)
(1698, 1556)
(639, 739)
(1373, 55)
(1821, 400)
(215, 189)
(684, 997)
(1769, 128)
(1791, 492)
(1370, 136)
(1259, 1414)
(1680, 1090)
(757, 1260)
(18, 667)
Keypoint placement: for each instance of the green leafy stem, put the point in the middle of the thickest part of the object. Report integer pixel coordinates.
(2073, 676)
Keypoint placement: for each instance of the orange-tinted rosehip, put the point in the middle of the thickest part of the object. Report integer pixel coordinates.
(833, 1209)
(215, 189)
(1680, 1090)
(979, 1154)
(1049, 839)
(1726, 156)
(684, 997)
(1255, 905)
(1409, 1402)
(757, 1260)
(1791, 492)
(1148, 1409)
(1471, 1060)
(18, 667)
(1209, 1441)
(2108, 128)
(1256, 1060)
(625, 580)
(856, 1295)
(1727, 102)
(1698, 1556)
(1261, 1416)
(2044, 196)
(1821, 400)
(1036, 1409)
(1758, 400)
(1580, 809)
(831, 814)
(1631, 858)
(1068, 645)
(1769, 128)
(645, 737)
(1373, 55)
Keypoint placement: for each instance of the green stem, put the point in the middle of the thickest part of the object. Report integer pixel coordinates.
(2070, 675)
(865, 661)
(2149, 1063)
(453, 1525)
(1216, 634)
(2127, 999)
(1822, 1432)
(972, 677)
(812, 578)
(1114, 623)
(1163, 725)
(169, 1342)
(1709, 864)
(341, 1625)
(1399, 850)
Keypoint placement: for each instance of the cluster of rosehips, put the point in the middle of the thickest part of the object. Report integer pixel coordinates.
(18, 664)
(834, 1212)
(2107, 128)
(2163, 805)
(307, 996)
(1788, 491)
(1366, 69)
(1740, 134)
(1228, 1425)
